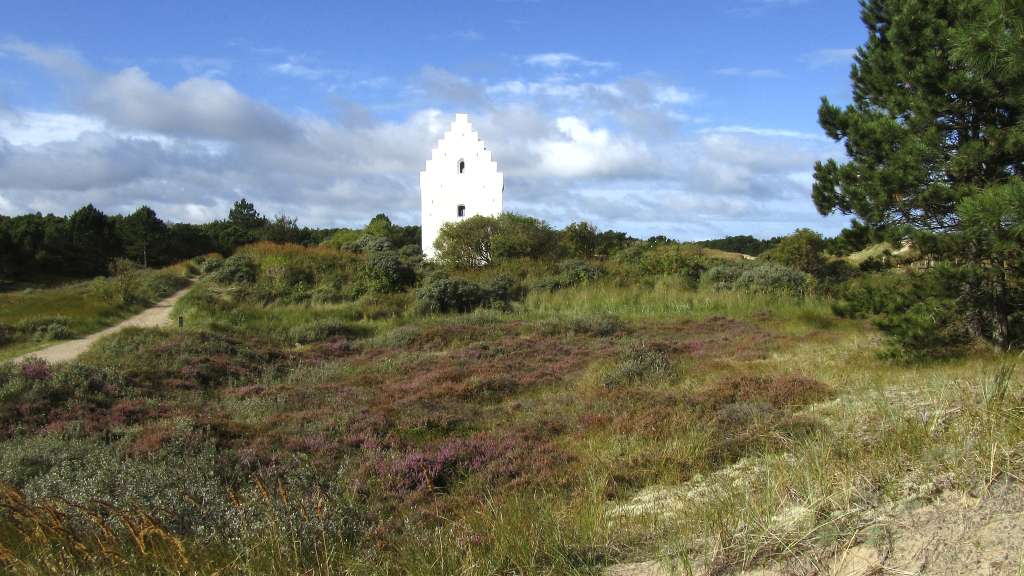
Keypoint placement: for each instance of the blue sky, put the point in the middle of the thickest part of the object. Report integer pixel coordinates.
(689, 119)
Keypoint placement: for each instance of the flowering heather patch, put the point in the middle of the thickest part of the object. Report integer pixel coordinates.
(323, 352)
(169, 358)
(124, 413)
(495, 461)
(35, 370)
(36, 395)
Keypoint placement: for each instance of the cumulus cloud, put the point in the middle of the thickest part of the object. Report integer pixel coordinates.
(198, 106)
(611, 152)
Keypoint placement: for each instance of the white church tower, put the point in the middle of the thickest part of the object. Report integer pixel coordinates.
(460, 181)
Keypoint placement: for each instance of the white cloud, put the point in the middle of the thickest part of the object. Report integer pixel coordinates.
(439, 83)
(58, 60)
(672, 95)
(759, 73)
(208, 67)
(562, 60)
(37, 128)
(761, 132)
(298, 70)
(830, 57)
(195, 107)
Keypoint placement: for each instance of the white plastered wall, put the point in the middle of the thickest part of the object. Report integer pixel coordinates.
(478, 187)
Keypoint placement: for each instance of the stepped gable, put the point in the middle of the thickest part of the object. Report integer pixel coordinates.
(460, 181)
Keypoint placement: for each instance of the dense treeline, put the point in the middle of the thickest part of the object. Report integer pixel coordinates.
(84, 243)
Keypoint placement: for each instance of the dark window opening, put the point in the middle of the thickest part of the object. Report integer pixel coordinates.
(462, 166)
(462, 211)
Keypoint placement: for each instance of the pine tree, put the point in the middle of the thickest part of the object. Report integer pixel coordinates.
(144, 235)
(923, 131)
(935, 145)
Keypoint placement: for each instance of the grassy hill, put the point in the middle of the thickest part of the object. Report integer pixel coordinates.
(581, 415)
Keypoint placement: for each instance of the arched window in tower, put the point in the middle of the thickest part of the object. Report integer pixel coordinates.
(462, 166)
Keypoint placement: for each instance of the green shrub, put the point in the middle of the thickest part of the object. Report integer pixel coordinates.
(683, 259)
(161, 284)
(578, 272)
(480, 240)
(803, 250)
(448, 295)
(916, 312)
(632, 255)
(439, 294)
(770, 278)
(9, 334)
(211, 265)
(40, 328)
(238, 268)
(384, 273)
(373, 244)
(724, 275)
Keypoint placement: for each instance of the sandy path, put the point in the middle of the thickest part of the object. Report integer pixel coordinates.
(158, 315)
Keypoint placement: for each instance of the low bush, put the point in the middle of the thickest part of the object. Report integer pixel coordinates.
(770, 278)
(211, 265)
(577, 271)
(686, 260)
(641, 363)
(723, 276)
(439, 294)
(784, 392)
(384, 272)
(373, 244)
(240, 267)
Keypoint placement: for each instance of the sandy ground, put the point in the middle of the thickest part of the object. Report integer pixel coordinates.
(954, 534)
(158, 315)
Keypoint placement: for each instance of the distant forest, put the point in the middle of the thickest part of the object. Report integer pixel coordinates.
(743, 244)
(84, 243)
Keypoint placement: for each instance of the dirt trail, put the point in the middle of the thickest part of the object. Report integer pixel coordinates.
(158, 315)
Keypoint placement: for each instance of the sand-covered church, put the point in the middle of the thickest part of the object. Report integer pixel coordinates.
(460, 181)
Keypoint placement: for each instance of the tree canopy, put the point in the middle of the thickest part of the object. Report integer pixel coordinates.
(936, 151)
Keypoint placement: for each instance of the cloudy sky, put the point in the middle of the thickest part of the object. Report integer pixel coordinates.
(688, 118)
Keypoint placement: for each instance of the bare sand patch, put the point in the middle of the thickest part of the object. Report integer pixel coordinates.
(953, 534)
